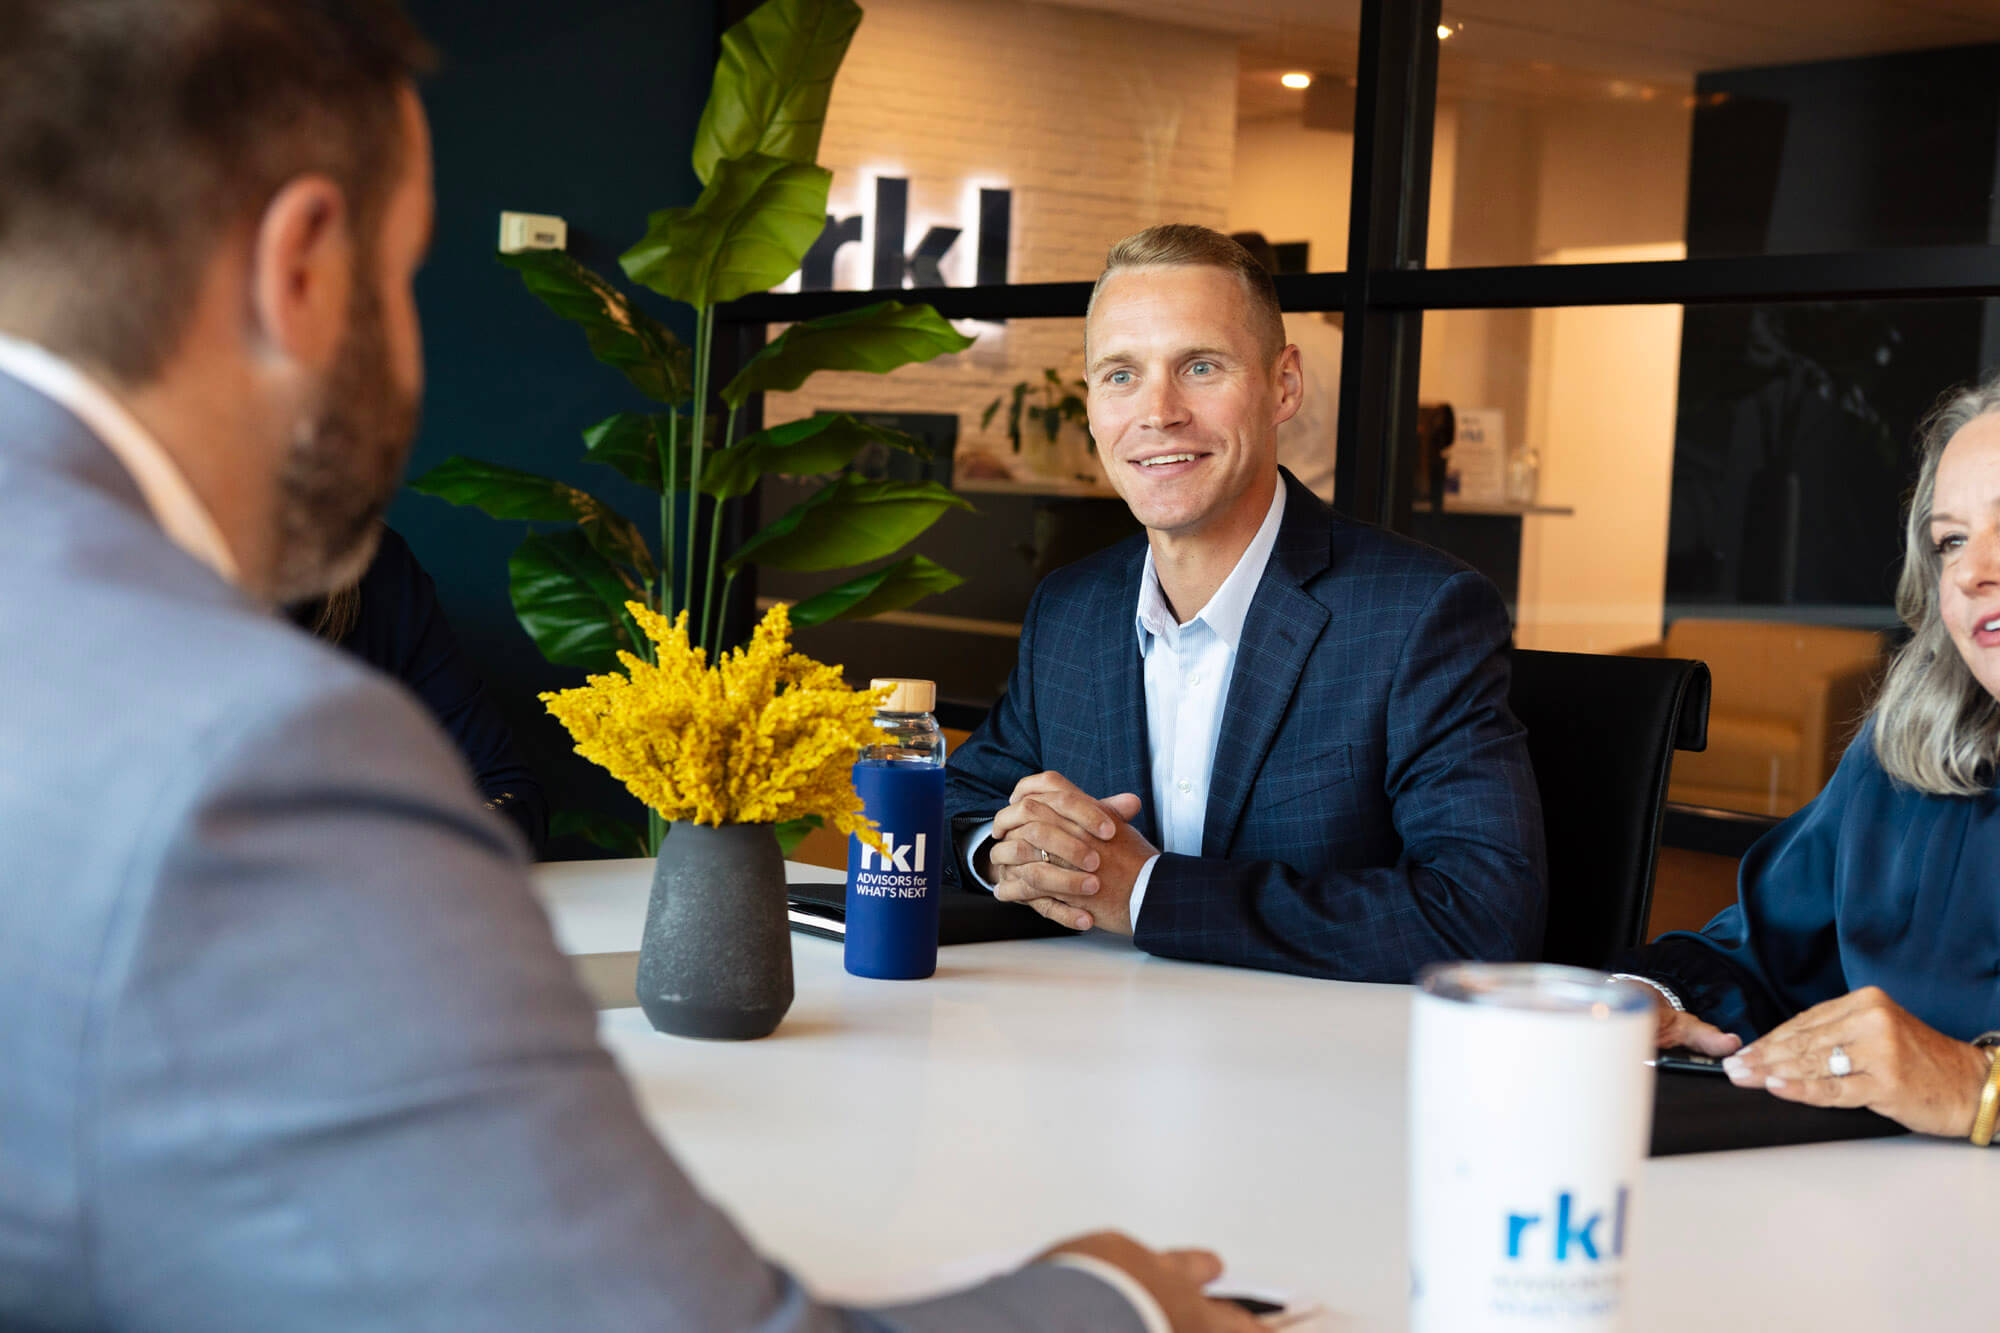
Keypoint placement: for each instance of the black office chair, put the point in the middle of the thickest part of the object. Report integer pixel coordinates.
(1602, 732)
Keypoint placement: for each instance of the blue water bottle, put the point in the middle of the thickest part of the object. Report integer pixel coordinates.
(892, 895)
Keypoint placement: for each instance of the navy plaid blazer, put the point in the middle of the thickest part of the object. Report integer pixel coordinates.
(1372, 807)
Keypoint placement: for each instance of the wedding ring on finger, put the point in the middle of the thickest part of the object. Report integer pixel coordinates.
(1837, 1063)
(1042, 852)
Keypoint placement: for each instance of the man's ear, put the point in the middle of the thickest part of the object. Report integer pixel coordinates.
(1290, 382)
(301, 271)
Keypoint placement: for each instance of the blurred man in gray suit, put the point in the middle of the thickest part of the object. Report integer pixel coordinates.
(288, 1045)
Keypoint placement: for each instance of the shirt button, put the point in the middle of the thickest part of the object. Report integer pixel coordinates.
(1185, 786)
(1194, 677)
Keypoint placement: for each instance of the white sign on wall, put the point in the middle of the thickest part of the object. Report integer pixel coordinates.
(1477, 470)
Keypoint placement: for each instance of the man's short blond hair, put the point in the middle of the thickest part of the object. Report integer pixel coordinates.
(1184, 245)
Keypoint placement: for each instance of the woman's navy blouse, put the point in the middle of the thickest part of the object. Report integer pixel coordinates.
(1872, 884)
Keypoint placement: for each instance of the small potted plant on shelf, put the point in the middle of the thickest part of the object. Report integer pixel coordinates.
(1060, 405)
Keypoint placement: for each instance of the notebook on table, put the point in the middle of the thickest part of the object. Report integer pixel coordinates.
(1708, 1113)
(964, 916)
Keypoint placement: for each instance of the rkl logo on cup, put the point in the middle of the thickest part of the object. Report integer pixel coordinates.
(1569, 1237)
(894, 857)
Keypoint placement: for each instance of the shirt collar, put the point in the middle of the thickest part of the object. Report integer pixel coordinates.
(1230, 606)
(175, 507)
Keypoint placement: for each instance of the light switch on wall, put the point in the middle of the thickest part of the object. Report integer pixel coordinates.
(532, 231)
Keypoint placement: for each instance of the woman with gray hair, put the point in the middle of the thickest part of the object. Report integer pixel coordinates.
(1861, 961)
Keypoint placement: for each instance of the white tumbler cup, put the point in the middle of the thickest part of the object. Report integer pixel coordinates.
(1531, 1104)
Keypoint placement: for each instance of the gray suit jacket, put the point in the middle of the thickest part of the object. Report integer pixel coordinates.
(285, 1043)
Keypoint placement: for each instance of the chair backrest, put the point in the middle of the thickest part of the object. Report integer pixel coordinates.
(1602, 731)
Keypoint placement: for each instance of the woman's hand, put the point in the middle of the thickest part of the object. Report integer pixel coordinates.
(1898, 1067)
(1679, 1029)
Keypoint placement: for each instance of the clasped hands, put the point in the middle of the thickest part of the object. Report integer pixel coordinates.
(1067, 854)
(1898, 1066)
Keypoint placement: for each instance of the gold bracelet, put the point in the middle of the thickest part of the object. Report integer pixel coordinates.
(1989, 1102)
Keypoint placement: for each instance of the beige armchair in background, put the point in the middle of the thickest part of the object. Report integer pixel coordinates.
(1787, 699)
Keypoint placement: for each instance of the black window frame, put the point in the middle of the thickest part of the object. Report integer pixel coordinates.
(1386, 288)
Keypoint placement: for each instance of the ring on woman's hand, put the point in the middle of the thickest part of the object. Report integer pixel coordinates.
(1042, 852)
(1837, 1063)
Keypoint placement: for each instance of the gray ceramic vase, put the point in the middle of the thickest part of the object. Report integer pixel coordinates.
(716, 961)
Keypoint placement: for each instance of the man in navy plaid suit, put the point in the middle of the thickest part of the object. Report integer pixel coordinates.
(1263, 734)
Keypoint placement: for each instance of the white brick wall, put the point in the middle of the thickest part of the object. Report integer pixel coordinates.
(1101, 125)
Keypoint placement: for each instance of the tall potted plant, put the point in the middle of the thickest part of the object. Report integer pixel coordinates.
(762, 205)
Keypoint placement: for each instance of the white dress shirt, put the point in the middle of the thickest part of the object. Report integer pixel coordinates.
(1188, 667)
(176, 508)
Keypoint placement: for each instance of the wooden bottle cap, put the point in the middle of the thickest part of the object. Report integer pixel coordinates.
(905, 695)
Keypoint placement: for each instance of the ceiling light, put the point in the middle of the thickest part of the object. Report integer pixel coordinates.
(1297, 80)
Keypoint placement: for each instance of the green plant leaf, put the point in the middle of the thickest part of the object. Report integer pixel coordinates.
(508, 493)
(620, 334)
(848, 522)
(792, 832)
(601, 830)
(890, 588)
(876, 338)
(630, 444)
(571, 600)
(818, 444)
(747, 232)
(773, 80)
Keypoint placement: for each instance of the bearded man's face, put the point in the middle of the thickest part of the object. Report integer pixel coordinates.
(345, 462)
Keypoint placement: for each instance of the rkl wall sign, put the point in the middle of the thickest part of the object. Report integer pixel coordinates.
(883, 230)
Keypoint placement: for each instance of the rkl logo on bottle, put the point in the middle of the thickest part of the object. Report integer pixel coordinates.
(1572, 1237)
(897, 856)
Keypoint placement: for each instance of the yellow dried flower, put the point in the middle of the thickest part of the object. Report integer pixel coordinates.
(762, 736)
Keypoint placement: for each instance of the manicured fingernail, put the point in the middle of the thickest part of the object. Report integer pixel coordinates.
(1735, 1065)
(1774, 1083)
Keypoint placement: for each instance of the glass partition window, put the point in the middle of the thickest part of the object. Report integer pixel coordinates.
(982, 142)
(979, 142)
(1716, 482)
(1570, 133)
(1016, 448)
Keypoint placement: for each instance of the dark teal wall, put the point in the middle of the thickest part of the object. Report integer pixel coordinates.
(585, 109)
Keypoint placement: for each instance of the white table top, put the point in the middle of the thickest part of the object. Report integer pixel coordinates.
(1035, 1089)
